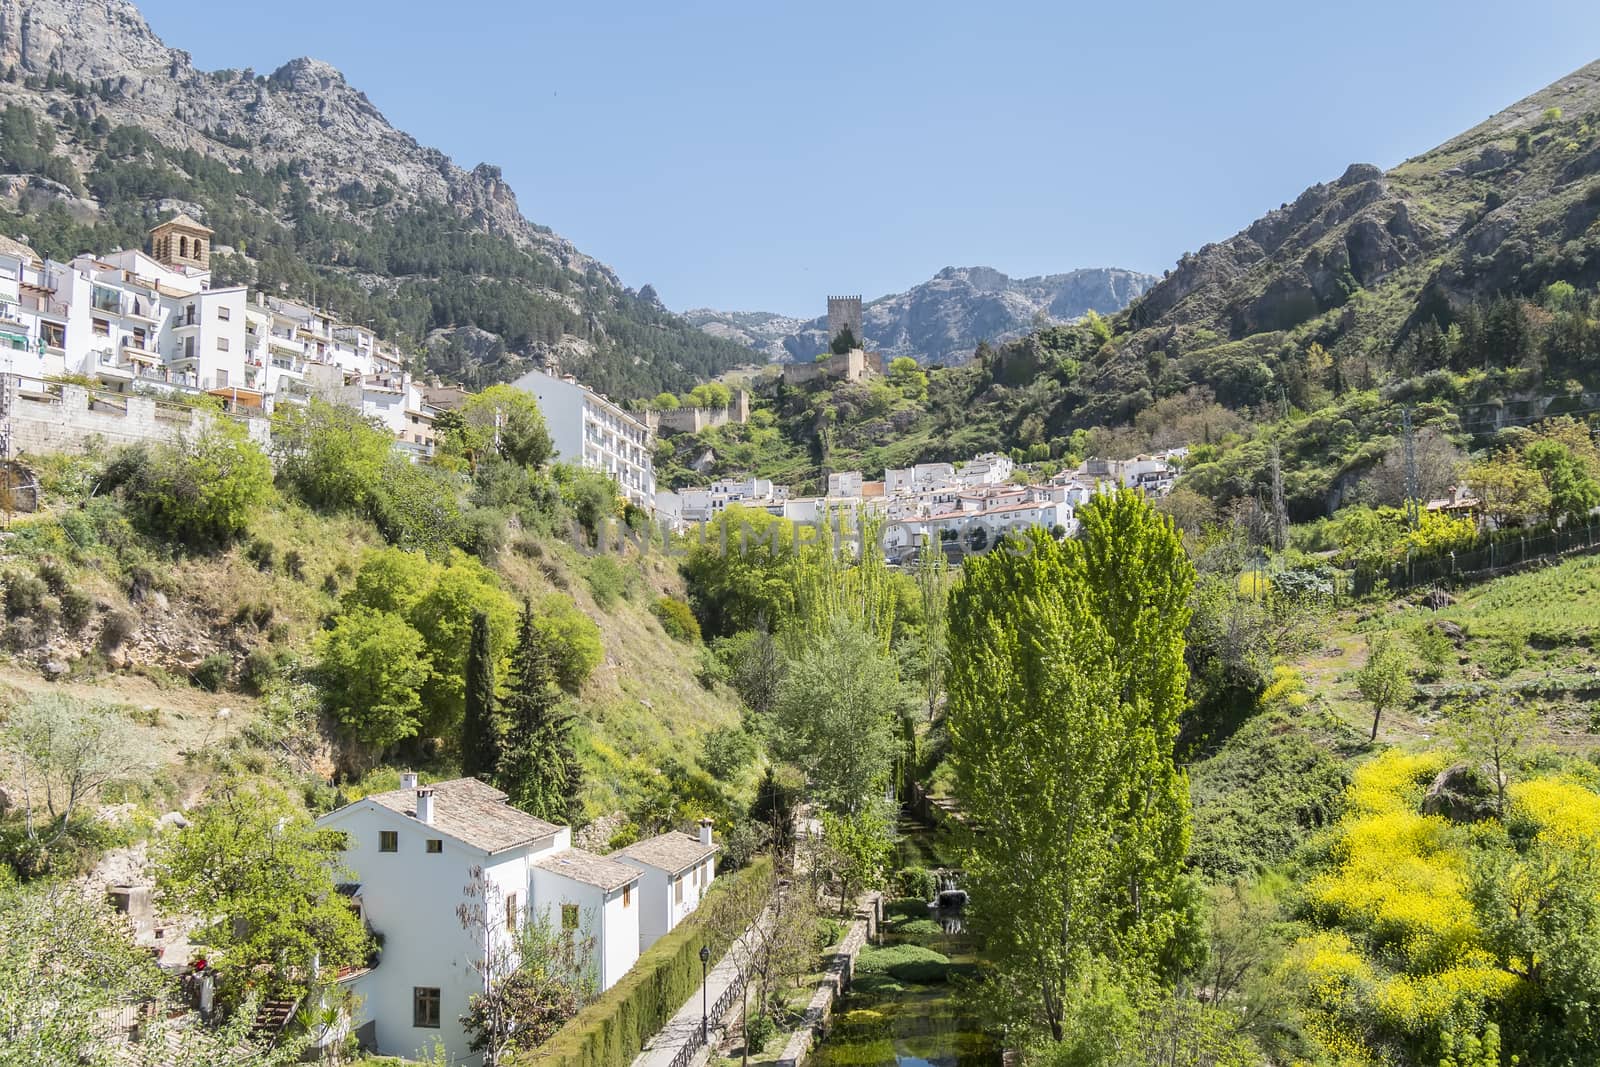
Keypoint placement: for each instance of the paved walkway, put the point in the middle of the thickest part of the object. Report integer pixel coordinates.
(684, 1027)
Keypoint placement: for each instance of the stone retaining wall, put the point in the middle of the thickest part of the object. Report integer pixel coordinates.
(835, 981)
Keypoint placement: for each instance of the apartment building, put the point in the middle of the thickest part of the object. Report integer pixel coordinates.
(587, 428)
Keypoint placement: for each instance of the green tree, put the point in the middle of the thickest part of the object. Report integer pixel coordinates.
(665, 402)
(443, 616)
(418, 507)
(64, 957)
(538, 768)
(63, 752)
(329, 454)
(203, 490)
(373, 666)
(838, 707)
(262, 879)
(742, 571)
(1573, 489)
(507, 421)
(711, 395)
(1066, 684)
(856, 849)
(1512, 493)
(1385, 680)
(480, 740)
(1492, 731)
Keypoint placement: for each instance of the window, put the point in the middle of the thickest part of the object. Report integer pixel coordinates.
(222, 379)
(425, 1006)
(511, 913)
(569, 917)
(435, 846)
(677, 890)
(54, 334)
(222, 344)
(224, 313)
(388, 841)
(102, 328)
(627, 894)
(188, 348)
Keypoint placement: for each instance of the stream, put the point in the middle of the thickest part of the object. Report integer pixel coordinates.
(906, 1007)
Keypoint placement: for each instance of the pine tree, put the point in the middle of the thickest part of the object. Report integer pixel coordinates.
(480, 742)
(538, 768)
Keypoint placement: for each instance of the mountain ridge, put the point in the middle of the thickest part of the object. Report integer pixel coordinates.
(95, 66)
(941, 320)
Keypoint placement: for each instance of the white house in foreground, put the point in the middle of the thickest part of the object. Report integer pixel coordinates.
(414, 853)
(676, 870)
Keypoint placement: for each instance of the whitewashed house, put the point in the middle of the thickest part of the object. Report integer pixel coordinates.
(676, 870)
(415, 852)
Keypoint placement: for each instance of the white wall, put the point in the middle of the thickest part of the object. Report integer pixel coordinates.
(661, 911)
(614, 926)
(411, 898)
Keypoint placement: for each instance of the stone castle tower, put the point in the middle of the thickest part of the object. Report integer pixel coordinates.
(181, 242)
(845, 311)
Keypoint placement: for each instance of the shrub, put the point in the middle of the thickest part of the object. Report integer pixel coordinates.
(917, 882)
(908, 963)
(55, 576)
(118, 627)
(77, 608)
(676, 620)
(212, 673)
(24, 594)
(759, 1029)
(295, 564)
(1434, 649)
(263, 553)
(203, 490)
(727, 751)
(574, 641)
(607, 581)
(259, 670)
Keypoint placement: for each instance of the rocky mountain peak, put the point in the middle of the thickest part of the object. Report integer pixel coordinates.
(307, 75)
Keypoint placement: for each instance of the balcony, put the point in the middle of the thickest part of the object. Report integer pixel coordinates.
(136, 353)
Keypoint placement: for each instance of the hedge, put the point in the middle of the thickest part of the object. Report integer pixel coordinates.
(611, 1031)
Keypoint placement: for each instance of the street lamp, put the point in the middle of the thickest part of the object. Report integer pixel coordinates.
(705, 961)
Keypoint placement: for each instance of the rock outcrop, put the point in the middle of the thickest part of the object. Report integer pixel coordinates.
(943, 319)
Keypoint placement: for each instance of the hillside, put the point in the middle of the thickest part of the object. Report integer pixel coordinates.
(1463, 283)
(943, 319)
(318, 195)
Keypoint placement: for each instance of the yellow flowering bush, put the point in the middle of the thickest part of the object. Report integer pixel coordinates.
(1449, 999)
(1566, 812)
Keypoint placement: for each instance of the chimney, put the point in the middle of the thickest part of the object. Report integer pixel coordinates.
(408, 780)
(425, 806)
(705, 831)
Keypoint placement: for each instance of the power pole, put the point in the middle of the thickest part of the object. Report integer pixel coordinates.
(1411, 467)
(1280, 513)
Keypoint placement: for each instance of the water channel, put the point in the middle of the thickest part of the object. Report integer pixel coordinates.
(909, 1006)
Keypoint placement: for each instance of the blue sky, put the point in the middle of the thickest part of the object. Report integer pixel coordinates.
(761, 154)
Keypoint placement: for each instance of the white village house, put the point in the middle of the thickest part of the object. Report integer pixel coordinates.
(676, 871)
(415, 851)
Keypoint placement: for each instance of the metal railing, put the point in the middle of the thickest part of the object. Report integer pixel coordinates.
(1501, 553)
(719, 1008)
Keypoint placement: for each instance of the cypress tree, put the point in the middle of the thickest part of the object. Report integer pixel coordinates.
(480, 748)
(538, 769)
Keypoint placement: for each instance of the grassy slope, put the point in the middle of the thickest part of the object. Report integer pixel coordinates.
(640, 709)
(1555, 609)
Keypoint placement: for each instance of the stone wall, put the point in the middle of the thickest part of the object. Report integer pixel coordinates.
(79, 420)
(695, 419)
(835, 981)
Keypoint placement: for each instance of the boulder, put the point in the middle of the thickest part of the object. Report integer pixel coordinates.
(1452, 631)
(1462, 794)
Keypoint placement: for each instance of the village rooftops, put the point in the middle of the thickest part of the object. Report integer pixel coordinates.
(473, 813)
(598, 871)
(672, 852)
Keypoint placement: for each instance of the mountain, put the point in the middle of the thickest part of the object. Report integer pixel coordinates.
(1505, 208)
(109, 130)
(943, 319)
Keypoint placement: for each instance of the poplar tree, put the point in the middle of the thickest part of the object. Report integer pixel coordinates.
(1066, 682)
(538, 768)
(480, 742)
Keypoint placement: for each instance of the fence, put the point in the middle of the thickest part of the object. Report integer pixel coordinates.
(1502, 553)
